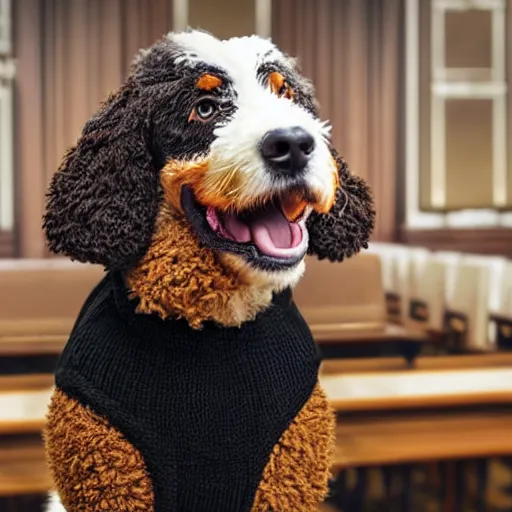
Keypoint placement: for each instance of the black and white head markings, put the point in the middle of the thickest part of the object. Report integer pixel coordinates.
(242, 143)
(224, 135)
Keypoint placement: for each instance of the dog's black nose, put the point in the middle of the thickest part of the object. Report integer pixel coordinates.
(287, 150)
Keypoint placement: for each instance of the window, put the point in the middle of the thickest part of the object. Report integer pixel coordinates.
(457, 168)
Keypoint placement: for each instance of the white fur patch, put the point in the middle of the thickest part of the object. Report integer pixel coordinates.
(258, 111)
(237, 142)
(239, 56)
(54, 504)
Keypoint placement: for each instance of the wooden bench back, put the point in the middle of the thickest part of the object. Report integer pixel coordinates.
(43, 297)
(348, 293)
(426, 291)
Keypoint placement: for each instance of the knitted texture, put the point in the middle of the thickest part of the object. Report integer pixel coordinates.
(204, 408)
(346, 229)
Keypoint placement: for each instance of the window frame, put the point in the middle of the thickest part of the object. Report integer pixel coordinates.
(415, 217)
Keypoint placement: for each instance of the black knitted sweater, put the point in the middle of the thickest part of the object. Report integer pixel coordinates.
(204, 407)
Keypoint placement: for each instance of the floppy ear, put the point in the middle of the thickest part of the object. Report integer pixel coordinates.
(346, 228)
(102, 203)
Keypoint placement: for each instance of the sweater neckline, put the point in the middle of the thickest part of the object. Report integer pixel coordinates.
(127, 306)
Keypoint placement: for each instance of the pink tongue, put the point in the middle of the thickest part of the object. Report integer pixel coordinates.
(267, 228)
(236, 228)
(271, 230)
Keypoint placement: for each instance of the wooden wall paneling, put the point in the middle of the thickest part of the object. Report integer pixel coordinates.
(223, 18)
(283, 25)
(276, 29)
(323, 57)
(94, 89)
(375, 99)
(497, 241)
(111, 46)
(143, 24)
(357, 81)
(300, 19)
(59, 46)
(424, 113)
(78, 46)
(7, 246)
(292, 15)
(29, 122)
(388, 127)
(338, 77)
(308, 35)
(468, 174)
(49, 99)
(160, 18)
(145, 36)
(132, 32)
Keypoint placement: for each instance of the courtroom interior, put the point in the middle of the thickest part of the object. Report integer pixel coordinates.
(415, 332)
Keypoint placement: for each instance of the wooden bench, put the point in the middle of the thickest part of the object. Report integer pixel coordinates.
(383, 439)
(23, 405)
(40, 298)
(39, 302)
(345, 307)
(445, 409)
(418, 389)
(424, 362)
(453, 296)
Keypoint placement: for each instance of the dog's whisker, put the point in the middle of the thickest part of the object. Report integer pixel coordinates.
(234, 191)
(224, 181)
(218, 170)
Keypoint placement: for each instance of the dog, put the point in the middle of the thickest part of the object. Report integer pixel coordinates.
(190, 380)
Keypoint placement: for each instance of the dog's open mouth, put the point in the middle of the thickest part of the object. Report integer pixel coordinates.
(263, 234)
(266, 227)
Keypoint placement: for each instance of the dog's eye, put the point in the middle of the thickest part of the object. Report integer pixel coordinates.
(204, 111)
(286, 91)
(279, 86)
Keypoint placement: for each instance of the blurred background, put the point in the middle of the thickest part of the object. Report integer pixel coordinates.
(416, 332)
